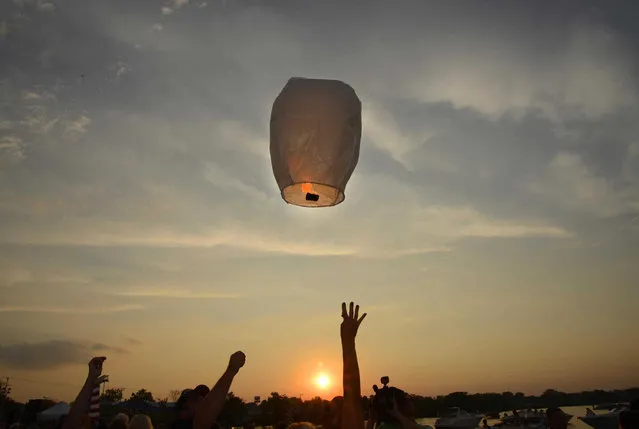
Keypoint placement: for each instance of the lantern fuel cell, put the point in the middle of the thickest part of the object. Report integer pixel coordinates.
(316, 128)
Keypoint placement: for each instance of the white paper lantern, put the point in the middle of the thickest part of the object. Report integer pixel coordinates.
(316, 128)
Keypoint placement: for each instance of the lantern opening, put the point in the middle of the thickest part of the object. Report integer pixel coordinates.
(312, 195)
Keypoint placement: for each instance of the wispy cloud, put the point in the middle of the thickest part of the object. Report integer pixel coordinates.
(71, 310)
(45, 6)
(50, 354)
(569, 181)
(121, 69)
(11, 150)
(133, 341)
(11, 276)
(218, 177)
(39, 124)
(38, 95)
(79, 126)
(166, 10)
(179, 3)
(178, 293)
(103, 347)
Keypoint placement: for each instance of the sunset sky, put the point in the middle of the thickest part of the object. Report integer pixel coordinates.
(490, 230)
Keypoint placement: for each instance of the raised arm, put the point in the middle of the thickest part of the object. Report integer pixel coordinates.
(210, 408)
(352, 414)
(80, 408)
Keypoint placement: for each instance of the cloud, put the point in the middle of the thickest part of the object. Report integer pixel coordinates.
(45, 6)
(218, 177)
(11, 150)
(121, 69)
(103, 347)
(71, 310)
(157, 27)
(40, 5)
(380, 126)
(39, 95)
(179, 3)
(415, 230)
(570, 182)
(78, 126)
(40, 124)
(12, 276)
(586, 69)
(133, 341)
(166, 10)
(177, 293)
(50, 354)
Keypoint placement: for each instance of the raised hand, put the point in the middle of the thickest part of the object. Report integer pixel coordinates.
(237, 361)
(351, 322)
(95, 367)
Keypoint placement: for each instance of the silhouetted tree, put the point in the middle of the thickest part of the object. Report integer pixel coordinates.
(112, 395)
(234, 411)
(142, 395)
(174, 394)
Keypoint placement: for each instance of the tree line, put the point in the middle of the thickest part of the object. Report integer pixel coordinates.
(278, 407)
(281, 408)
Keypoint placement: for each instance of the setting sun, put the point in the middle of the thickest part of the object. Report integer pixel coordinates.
(322, 381)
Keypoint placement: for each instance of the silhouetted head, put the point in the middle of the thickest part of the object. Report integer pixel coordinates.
(140, 421)
(120, 421)
(556, 418)
(333, 416)
(189, 400)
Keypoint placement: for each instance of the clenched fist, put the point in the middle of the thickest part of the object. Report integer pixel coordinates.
(237, 361)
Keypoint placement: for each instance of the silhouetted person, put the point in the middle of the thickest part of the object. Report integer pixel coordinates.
(120, 421)
(201, 412)
(352, 414)
(77, 417)
(333, 415)
(556, 419)
(187, 403)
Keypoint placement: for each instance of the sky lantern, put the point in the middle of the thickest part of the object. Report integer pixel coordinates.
(316, 128)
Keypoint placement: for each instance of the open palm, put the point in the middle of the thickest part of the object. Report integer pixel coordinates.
(351, 321)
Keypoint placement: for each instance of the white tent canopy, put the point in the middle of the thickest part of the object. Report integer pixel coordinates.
(58, 410)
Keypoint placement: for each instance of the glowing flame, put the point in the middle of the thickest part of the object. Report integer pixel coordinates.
(307, 188)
